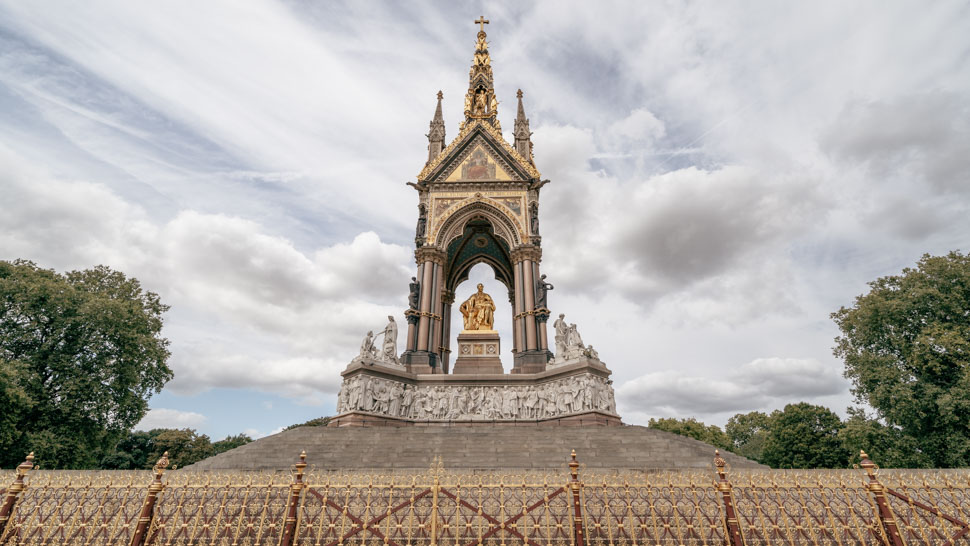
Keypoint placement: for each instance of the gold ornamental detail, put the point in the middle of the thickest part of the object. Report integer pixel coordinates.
(477, 198)
(496, 135)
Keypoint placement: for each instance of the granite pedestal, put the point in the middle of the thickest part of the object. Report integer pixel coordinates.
(478, 353)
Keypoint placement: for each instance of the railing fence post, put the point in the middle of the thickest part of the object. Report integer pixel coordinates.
(147, 514)
(579, 531)
(296, 489)
(731, 524)
(883, 510)
(14, 491)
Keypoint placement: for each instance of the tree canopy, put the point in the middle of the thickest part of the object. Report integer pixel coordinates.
(693, 428)
(747, 432)
(804, 435)
(80, 354)
(906, 348)
(140, 449)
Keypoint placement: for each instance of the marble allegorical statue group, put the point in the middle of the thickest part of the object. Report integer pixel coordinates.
(569, 344)
(578, 393)
(387, 355)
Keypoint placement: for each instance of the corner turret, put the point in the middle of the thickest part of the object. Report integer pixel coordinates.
(436, 135)
(523, 137)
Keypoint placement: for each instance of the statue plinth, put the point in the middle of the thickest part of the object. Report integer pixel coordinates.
(478, 353)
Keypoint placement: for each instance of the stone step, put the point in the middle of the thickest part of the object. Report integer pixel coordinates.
(472, 448)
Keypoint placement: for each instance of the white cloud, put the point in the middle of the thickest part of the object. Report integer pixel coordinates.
(763, 383)
(170, 418)
(301, 312)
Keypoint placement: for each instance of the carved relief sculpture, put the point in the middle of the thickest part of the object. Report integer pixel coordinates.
(575, 394)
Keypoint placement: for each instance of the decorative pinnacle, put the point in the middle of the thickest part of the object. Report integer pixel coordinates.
(719, 461)
(440, 95)
(299, 467)
(161, 465)
(25, 466)
(518, 94)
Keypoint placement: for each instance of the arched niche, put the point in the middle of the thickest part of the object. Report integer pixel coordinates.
(504, 224)
(478, 243)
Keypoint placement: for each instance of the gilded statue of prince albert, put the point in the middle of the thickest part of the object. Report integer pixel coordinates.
(478, 310)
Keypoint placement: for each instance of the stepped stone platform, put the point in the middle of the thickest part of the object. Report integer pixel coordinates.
(479, 447)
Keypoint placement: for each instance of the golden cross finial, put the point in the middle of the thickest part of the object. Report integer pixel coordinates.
(481, 22)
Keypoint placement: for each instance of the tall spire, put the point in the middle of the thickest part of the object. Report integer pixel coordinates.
(480, 101)
(436, 136)
(523, 137)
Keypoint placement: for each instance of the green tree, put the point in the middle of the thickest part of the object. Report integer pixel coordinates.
(906, 348)
(693, 428)
(184, 446)
(804, 436)
(14, 404)
(886, 445)
(316, 422)
(747, 432)
(80, 354)
(133, 451)
(230, 442)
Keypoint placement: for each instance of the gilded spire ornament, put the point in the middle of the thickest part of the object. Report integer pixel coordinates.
(480, 101)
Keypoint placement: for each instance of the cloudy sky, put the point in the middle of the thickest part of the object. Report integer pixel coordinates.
(724, 176)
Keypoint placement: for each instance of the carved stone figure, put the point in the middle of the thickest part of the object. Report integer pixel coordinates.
(561, 331)
(478, 310)
(542, 289)
(572, 338)
(406, 400)
(367, 349)
(481, 103)
(394, 407)
(389, 354)
(534, 218)
(422, 220)
(415, 288)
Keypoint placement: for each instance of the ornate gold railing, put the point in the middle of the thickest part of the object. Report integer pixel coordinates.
(568, 506)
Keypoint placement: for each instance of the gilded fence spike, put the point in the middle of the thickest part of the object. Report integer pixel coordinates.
(140, 535)
(883, 510)
(14, 491)
(579, 530)
(293, 504)
(731, 524)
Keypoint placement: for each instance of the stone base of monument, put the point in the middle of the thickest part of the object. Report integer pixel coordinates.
(583, 419)
(419, 362)
(478, 353)
(531, 361)
(475, 448)
(576, 393)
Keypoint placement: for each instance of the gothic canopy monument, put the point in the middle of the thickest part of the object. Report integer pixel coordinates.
(478, 202)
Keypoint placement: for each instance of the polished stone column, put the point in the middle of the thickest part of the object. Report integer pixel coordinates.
(431, 270)
(518, 306)
(528, 284)
(447, 302)
(427, 269)
(529, 357)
